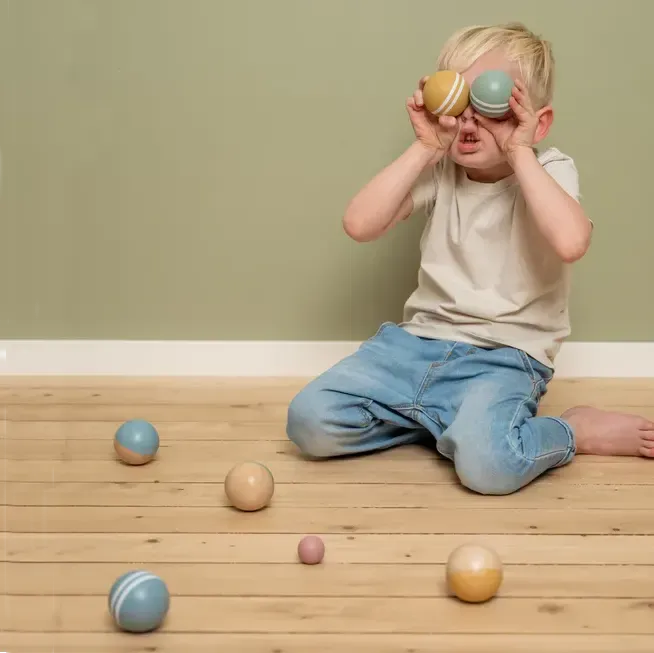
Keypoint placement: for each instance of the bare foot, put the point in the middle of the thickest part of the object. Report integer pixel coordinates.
(605, 433)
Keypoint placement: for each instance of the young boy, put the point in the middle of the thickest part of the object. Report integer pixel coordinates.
(475, 351)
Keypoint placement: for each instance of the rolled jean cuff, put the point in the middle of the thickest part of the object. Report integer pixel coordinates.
(571, 448)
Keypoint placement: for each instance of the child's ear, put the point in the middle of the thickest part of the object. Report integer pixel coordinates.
(545, 120)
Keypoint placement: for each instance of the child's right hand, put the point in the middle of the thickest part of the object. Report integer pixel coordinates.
(437, 133)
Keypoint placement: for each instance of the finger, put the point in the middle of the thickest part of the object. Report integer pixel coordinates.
(448, 122)
(523, 98)
(418, 98)
(519, 96)
(519, 84)
(519, 111)
(422, 82)
(519, 87)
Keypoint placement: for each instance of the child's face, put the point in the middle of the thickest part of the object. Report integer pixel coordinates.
(475, 148)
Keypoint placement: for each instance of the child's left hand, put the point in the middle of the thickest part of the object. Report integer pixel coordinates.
(518, 130)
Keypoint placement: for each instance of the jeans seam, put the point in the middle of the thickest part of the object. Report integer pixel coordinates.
(432, 366)
(368, 417)
(436, 419)
(565, 451)
(571, 443)
(528, 367)
(382, 327)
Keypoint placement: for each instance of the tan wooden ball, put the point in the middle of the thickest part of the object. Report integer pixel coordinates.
(474, 573)
(249, 486)
(446, 93)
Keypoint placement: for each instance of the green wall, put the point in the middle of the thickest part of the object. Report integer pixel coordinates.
(179, 168)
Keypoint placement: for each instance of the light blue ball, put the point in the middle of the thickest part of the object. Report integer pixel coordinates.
(139, 601)
(136, 442)
(490, 93)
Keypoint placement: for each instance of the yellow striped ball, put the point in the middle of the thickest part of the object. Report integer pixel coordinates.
(446, 93)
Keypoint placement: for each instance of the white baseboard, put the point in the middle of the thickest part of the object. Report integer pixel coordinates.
(265, 359)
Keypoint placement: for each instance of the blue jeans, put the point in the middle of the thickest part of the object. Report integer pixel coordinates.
(478, 404)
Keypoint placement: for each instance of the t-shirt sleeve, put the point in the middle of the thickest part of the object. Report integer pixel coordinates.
(423, 191)
(564, 172)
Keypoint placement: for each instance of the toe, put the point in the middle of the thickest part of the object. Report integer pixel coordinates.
(646, 452)
(647, 427)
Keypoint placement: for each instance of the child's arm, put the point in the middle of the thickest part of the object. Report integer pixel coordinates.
(386, 199)
(559, 216)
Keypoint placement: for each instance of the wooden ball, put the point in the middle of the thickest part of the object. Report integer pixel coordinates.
(249, 486)
(311, 550)
(474, 573)
(139, 601)
(490, 93)
(136, 442)
(446, 93)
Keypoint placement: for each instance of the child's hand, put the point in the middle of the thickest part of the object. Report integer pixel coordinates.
(437, 133)
(517, 131)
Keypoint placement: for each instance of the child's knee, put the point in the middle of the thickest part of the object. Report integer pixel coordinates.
(487, 465)
(307, 424)
(486, 479)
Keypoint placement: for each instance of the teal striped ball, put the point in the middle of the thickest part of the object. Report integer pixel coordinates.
(490, 93)
(138, 601)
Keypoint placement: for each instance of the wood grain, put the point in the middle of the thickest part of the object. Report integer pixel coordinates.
(576, 544)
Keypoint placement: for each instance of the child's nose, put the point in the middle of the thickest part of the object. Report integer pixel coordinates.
(469, 113)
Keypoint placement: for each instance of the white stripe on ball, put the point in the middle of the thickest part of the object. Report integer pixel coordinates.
(132, 586)
(121, 587)
(453, 96)
(493, 108)
(134, 582)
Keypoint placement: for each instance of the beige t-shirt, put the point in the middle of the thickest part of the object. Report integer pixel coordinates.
(487, 276)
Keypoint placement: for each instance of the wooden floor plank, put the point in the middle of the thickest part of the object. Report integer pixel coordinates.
(92, 450)
(379, 469)
(150, 391)
(114, 390)
(163, 642)
(539, 495)
(309, 614)
(246, 548)
(156, 413)
(186, 431)
(562, 521)
(293, 579)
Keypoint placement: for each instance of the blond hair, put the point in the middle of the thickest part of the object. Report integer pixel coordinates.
(532, 54)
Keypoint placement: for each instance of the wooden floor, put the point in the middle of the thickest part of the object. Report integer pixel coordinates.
(578, 544)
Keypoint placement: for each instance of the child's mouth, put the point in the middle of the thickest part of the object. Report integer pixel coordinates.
(468, 143)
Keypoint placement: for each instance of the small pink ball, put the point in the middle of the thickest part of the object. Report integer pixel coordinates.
(311, 550)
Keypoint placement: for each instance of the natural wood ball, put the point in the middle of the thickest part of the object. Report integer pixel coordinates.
(249, 486)
(474, 573)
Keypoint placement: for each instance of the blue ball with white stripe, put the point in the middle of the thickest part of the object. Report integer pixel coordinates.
(490, 93)
(139, 601)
